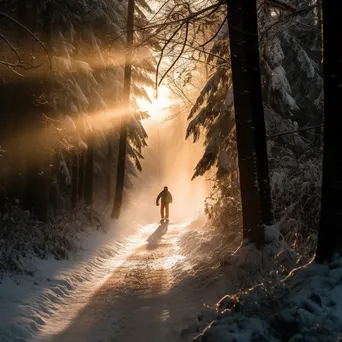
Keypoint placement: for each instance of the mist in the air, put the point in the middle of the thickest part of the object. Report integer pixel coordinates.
(169, 160)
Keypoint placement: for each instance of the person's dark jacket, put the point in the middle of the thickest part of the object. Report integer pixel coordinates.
(165, 197)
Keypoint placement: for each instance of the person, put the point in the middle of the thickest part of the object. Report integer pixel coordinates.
(166, 199)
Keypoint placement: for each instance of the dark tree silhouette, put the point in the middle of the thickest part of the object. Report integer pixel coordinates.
(89, 172)
(37, 173)
(109, 154)
(250, 124)
(80, 186)
(74, 179)
(330, 228)
(120, 178)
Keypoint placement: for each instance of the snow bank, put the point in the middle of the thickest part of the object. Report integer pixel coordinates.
(23, 238)
(248, 266)
(29, 301)
(245, 266)
(204, 245)
(218, 268)
(306, 306)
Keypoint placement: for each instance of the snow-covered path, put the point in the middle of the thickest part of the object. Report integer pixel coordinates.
(143, 299)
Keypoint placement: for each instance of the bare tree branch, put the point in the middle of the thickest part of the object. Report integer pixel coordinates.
(179, 55)
(162, 52)
(159, 10)
(294, 131)
(30, 33)
(298, 12)
(217, 32)
(201, 50)
(14, 71)
(282, 5)
(192, 16)
(181, 91)
(156, 32)
(20, 64)
(13, 49)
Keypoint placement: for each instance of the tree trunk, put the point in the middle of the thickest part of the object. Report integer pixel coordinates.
(74, 180)
(80, 187)
(89, 171)
(120, 177)
(54, 189)
(15, 181)
(43, 199)
(330, 227)
(250, 124)
(109, 172)
(318, 136)
(22, 12)
(31, 188)
(44, 177)
(37, 186)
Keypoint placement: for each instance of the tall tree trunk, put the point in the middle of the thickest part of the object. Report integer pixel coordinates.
(13, 122)
(80, 189)
(250, 124)
(109, 172)
(43, 200)
(15, 180)
(330, 227)
(318, 137)
(120, 177)
(22, 11)
(89, 172)
(54, 189)
(45, 176)
(74, 180)
(37, 187)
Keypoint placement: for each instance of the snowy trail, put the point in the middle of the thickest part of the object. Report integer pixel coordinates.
(29, 304)
(139, 301)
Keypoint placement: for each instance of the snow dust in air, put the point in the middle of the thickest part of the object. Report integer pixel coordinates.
(60, 294)
(169, 160)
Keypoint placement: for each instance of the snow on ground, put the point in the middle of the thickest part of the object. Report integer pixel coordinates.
(131, 271)
(156, 293)
(135, 303)
(159, 282)
(148, 297)
(27, 303)
(305, 306)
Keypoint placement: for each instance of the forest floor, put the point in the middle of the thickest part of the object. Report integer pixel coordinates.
(161, 282)
(145, 288)
(142, 299)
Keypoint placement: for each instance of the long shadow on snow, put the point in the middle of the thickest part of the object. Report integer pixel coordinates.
(157, 235)
(132, 294)
(133, 305)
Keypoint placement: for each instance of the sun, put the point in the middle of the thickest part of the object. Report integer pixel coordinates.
(158, 107)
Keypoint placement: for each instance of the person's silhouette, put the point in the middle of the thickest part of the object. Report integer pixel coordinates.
(166, 198)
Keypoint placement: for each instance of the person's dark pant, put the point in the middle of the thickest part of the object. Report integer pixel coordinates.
(164, 209)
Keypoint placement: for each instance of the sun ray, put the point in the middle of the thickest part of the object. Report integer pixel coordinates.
(159, 107)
